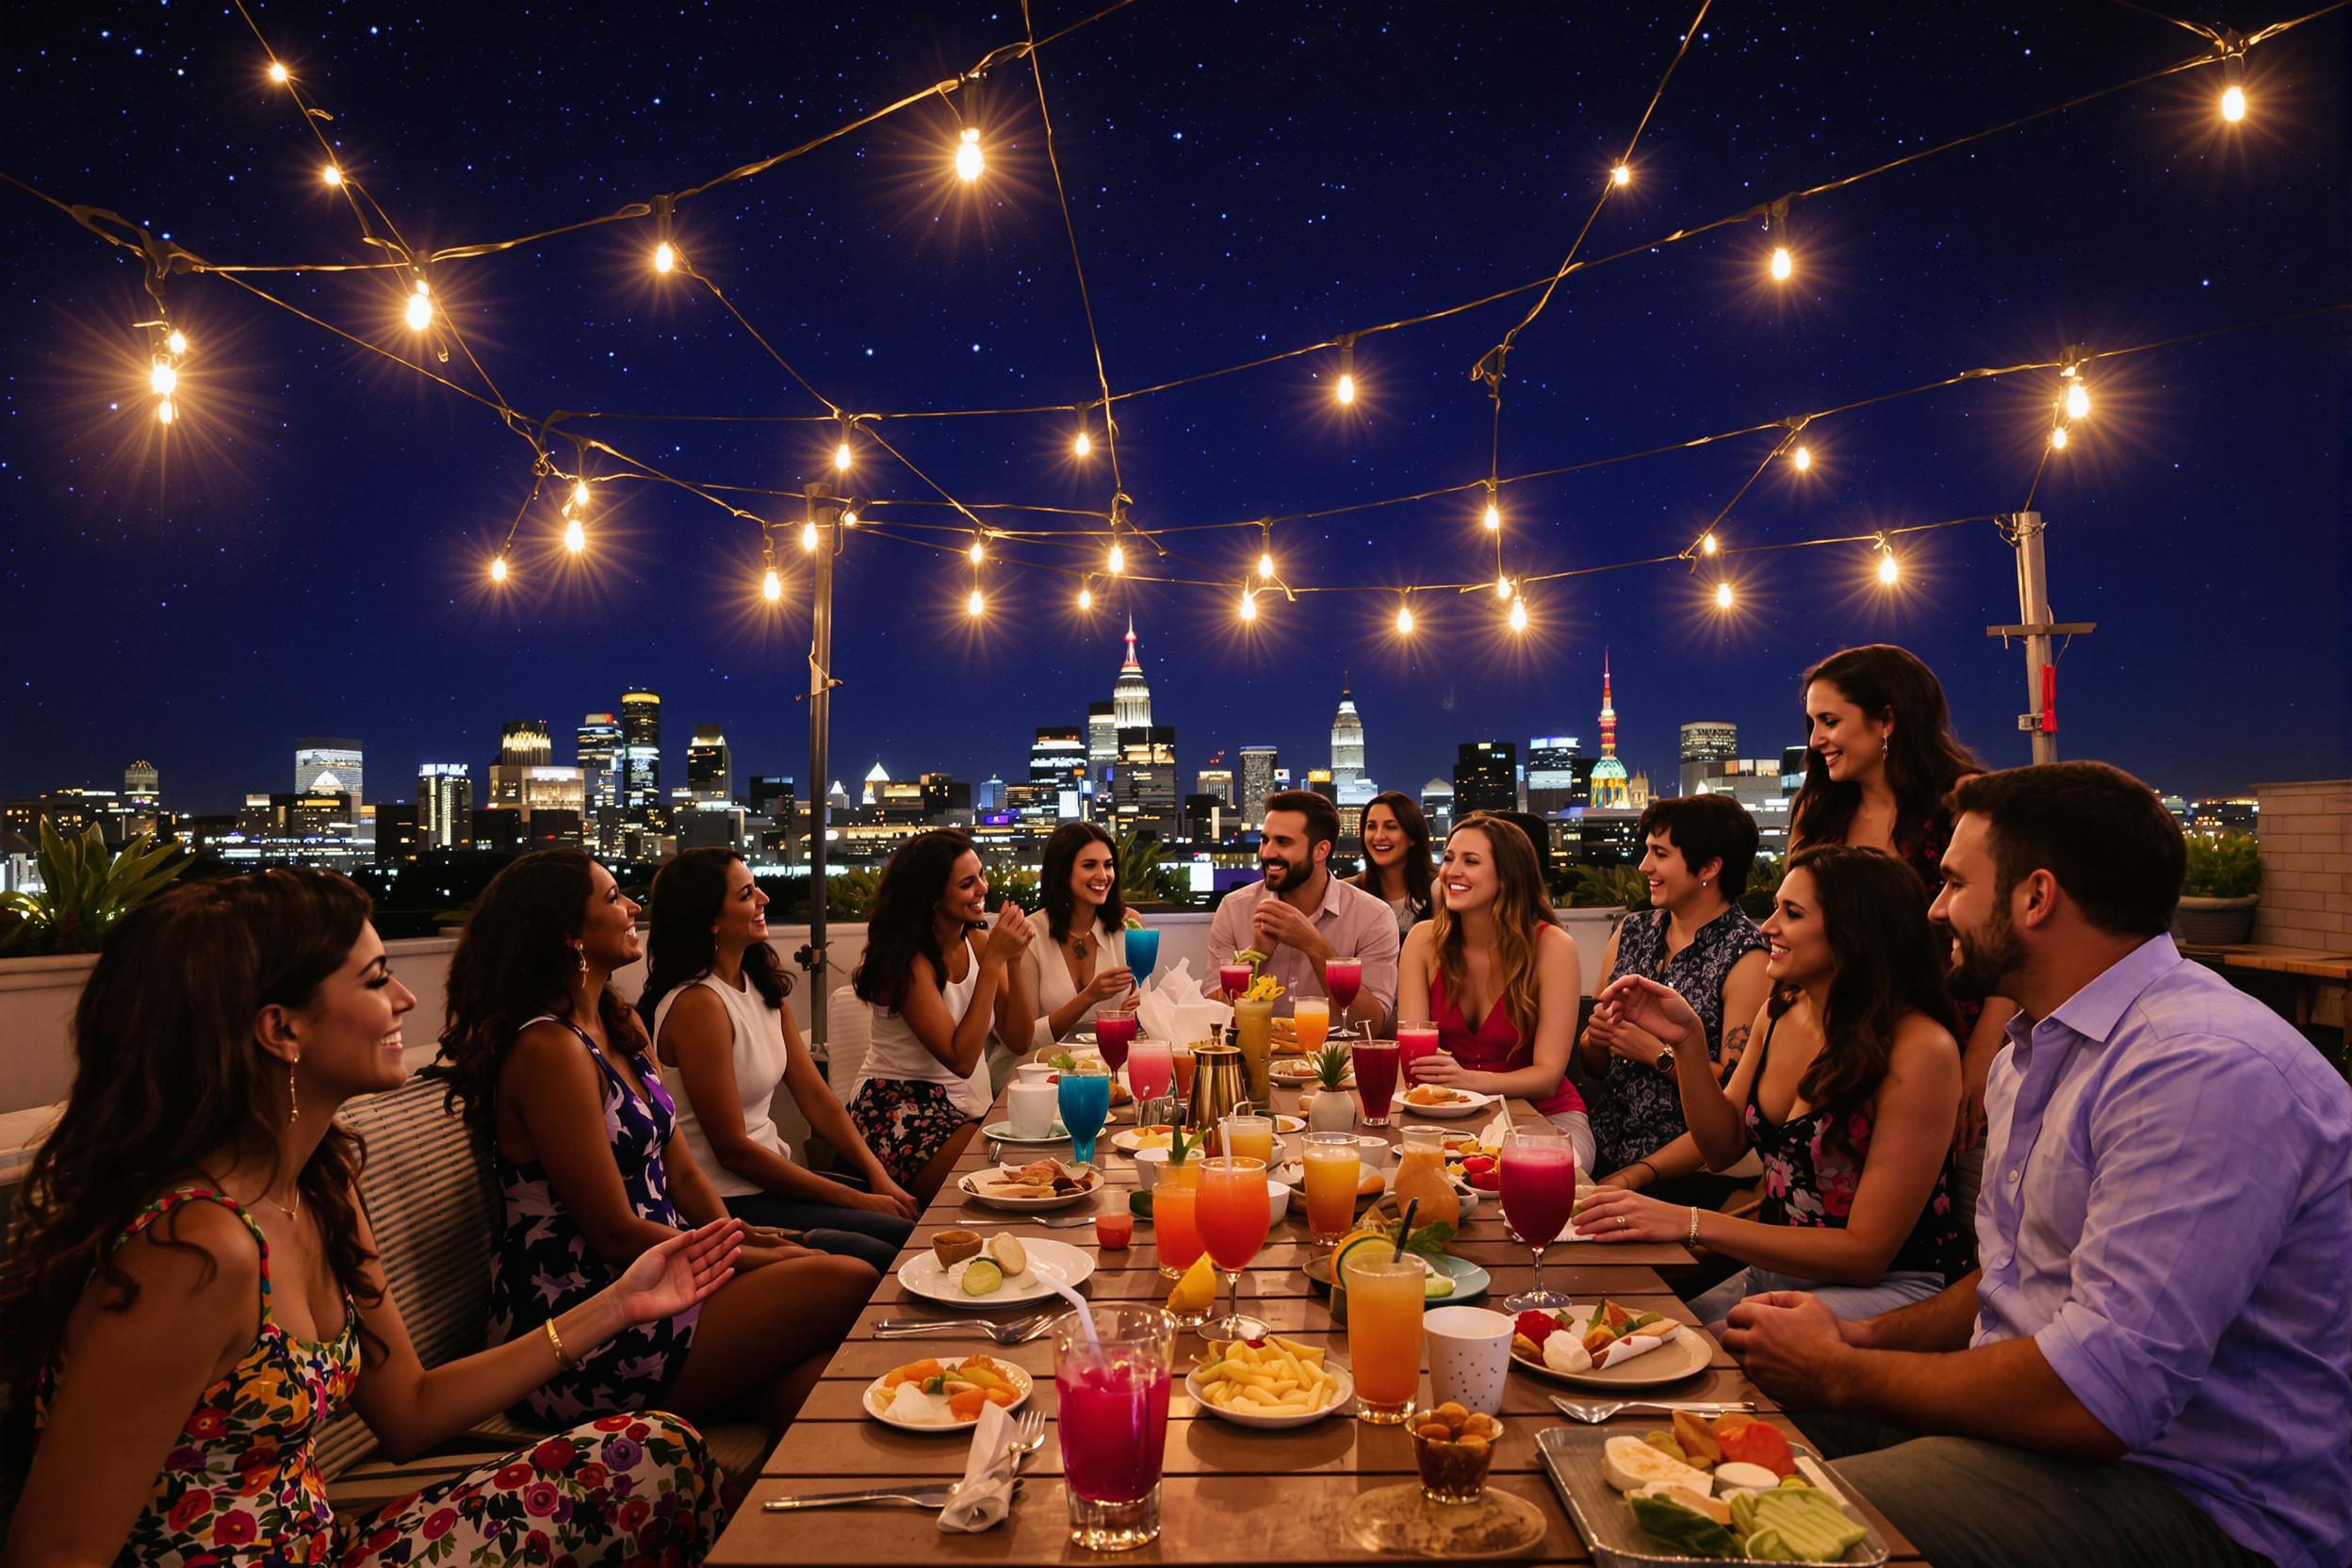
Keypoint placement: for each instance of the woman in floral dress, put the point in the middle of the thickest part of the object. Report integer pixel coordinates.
(1854, 1133)
(193, 1293)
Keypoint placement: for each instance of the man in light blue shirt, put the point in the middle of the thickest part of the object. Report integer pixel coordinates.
(2154, 1362)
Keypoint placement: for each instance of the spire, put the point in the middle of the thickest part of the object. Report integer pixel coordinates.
(1131, 664)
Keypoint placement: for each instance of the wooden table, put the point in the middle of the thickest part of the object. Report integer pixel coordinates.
(2308, 967)
(1231, 1494)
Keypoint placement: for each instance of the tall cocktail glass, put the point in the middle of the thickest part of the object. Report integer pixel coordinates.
(1234, 979)
(1085, 1105)
(1181, 1059)
(1150, 1070)
(1376, 1078)
(1176, 1221)
(1233, 1220)
(1143, 951)
(1313, 1017)
(1342, 979)
(1113, 1393)
(1335, 1163)
(1115, 1032)
(1384, 1303)
(1539, 1195)
(1414, 1041)
(1249, 1137)
(1253, 1031)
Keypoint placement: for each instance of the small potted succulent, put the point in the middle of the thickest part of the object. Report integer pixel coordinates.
(1333, 1109)
(2219, 892)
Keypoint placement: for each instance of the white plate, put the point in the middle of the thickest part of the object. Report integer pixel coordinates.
(1132, 1140)
(1472, 1105)
(1273, 1422)
(1002, 1132)
(922, 1275)
(1685, 1355)
(1289, 1123)
(878, 1403)
(1293, 1078)
(1023, 1206)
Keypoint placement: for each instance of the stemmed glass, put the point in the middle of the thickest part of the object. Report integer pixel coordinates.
(1113, 1033)
(1539, 1197)
(1233, 979)
(1231, 1209)
(1085, 1105)
(1342, 979)
(1143, 951)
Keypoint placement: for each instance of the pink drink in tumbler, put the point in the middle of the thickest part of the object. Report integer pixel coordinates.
(1150, 1070)
(1414, 1041)
(1376, 1079)
(1114, 1425)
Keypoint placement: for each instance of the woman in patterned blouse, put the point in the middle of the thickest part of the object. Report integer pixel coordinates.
(1695, 939)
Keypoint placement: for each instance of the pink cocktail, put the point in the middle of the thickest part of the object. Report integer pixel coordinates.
(1113, 1393)
(1234, 978)
(1376, 1078)
(1115, 1032)
(1414, 1041)
(1150, 1070)
(1538, 1195)
(1342, 979)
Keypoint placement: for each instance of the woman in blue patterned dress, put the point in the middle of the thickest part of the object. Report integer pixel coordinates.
(556, 1072)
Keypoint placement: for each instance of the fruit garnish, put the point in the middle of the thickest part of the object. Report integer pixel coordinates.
(1536, 1326)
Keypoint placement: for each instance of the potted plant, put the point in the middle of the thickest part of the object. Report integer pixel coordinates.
(1333, 1109)
(2218, 896)
(86, 890)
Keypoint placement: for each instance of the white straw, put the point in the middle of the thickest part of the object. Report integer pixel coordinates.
(1085, 1312)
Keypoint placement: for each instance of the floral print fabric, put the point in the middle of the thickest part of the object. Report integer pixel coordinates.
(1636, 1110)
(905, 1122)
(241, 1488)
(543, 1265)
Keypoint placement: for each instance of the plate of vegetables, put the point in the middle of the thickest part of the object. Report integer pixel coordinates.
(944, 1394)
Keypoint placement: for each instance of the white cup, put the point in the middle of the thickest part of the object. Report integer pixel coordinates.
(1148, 1164)
(1032, 1106)
(1469, 1356)
(1037, 1072)
(1374, 1151)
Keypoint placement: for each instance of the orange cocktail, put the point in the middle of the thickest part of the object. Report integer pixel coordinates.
(1384, 1331)
(1313, 1017)
(1250, 1137)
(1233, 1216)
(1174, 1218)
(1333, 1166)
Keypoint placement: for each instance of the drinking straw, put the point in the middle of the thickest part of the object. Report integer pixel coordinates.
(1085, 1312)
(1402, 1231)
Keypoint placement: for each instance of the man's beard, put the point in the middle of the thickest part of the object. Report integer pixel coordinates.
(1987, 962)
(1282, 875)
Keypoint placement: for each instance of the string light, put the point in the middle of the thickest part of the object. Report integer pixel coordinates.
(808, 537)
(1620, 177)
(1346, 392)
(976, 555)
(278, 72)
(163, 379)
(1888, 570)
(1084, 446)
(1266, 564)
(165, 412)
(1502, 587)
(420, 307)
(849, 519)
(1493, 513)
(772, 585)
(974, 605)
(1708, 545)
(1782, 265)
(1249, 604)
(1802, 459)
(969, 164)
(1723, 595)
(2233, 86)
(1518, 615)
(844, 457)
(1404, 620)
(331, 174)
(665, 258)
(580, 493)
(575, 536)
(177, 342)
(1085, 598)
(2078, 400)
(2058, 437)
(1118, 560)
(497, 569)
(1777, 225)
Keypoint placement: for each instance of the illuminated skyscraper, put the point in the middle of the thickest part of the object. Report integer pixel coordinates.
(1611, 788)
(324, 766)
(597, 743)
(709, 765)
(641, 754)
(445, 807)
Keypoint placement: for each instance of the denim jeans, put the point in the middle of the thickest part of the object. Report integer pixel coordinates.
(1897, 1289)
(865, 1234)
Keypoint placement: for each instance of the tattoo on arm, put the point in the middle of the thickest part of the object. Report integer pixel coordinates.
(1735, 1047)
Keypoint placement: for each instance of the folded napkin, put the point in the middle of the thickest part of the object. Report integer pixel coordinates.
(1173, 1007)
(1565, 1352)
(986, 1494)
(1496, 1133)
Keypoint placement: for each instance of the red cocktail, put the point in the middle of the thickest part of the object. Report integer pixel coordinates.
(1538, 1195)
(1234, 978)
(1115, 1032)
(1376, 1078)
(1113, 1393)
(1342, 979)
(1414, 1041)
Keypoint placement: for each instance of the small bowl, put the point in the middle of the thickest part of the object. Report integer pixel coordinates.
(1454, 1468)
(1148, 1164)
(1277, 1200)
(1374, 1151)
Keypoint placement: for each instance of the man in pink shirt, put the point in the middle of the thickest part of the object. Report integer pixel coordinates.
(1302, 916)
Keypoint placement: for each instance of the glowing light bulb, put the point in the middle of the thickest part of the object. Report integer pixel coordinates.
(2078, 400)
(575, 536)
(1249, 605)
(420, 307)
(1518, 615)
(1404, 620)
(1802, 459)
(772, 586)
(2058, 438)
(2233, 104)
(165, 412)
(1346, 390)
(849, 519)
(580, 492)
(1118, 560)
(1266, 564)
(842, 458)
(278, 72)
(1708, 545)
(975, 554)
(809, 536)
(665, 257)
(177, 342)
(1084, 446)
(1723, 595)
(975, 606)
(1085, 598)
(163, 379)
(1620, 177)
(969, 164)
(1782, 265)
(498, 570)
(1502, 587)
(1888, 570)
(1493, 518)
(332, 175)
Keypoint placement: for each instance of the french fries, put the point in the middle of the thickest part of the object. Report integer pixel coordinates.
(1275, 1377)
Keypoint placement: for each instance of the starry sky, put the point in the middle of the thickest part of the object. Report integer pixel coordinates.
(305, 552)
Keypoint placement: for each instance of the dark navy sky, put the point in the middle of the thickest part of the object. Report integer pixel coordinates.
(307, 554)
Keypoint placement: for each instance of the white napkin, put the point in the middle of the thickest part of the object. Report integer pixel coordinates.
(1173, 1007)
(987, 1495)
(1496, 1133)
(1623, 1351)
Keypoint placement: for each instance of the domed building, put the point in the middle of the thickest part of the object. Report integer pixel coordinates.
(1612, 789)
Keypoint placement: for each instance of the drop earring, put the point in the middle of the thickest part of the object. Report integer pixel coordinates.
(293, 1098)
(580, 956)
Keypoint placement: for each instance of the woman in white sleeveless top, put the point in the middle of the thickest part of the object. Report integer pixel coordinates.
(934, 992)
(714, 1003)
(1075, 973)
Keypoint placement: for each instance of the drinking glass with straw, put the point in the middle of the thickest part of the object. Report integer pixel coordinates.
(1230, 1211)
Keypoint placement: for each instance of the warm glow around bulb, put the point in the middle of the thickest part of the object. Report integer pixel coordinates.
(975, 554)
(177, 342)
(575, 536)
(1620, 177)
(1249, 605)
(1493, 518)
(1502, 587)
(331, 174)
(1404, 620)
(497, 569)
(1888, 570)
(1723, 595)
(163, 379)
(1085, 598)
(165, 412)
(2078, 400)
(1518, 615)
(772, 586)
(1782, 265)
(1084, 446)
(849, 519)
(975, 606)
(2058, 438)
(1346, 390)
(2233, 104)
(1118, 560)
(1708, 545)
(278, 72)
(809, 536)
(665, 257)
(842, 457)
(1266, 564)
(420, 307)
(1802, 458)
(969, 164)
(580, 492)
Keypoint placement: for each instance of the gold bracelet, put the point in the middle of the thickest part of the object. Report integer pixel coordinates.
(562, 1358)
(1692, 1240)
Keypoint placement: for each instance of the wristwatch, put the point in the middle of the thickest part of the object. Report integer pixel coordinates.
(1666, 1059)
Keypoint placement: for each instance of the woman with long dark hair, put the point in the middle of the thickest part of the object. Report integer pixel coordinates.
(1854, 1132)
(1499, 977)
(1880, 760)
(934, 993)
(1396, 868)
(1075, 974)
(192, 1279)
(557, 1076)
(713, 1000)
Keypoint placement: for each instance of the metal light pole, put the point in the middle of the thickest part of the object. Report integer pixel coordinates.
(2023, 530)
(825, 510)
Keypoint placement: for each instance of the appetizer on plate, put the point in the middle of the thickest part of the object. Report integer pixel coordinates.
(960, 1255)
(1038, 1178)
(1700, 1502)
(935, 1392)
(1610, 1335)
(1437, 1094)
(1269, 1377)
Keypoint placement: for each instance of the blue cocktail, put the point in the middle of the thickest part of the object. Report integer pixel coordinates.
(1143, 951)
(1085, 1105)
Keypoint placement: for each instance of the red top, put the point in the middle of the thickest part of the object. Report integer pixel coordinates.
(1497, 1046)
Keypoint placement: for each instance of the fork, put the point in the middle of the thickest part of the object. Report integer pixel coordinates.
(919, 1496)
(1028, 1437)
(1601, 1410)
(1021, 1331)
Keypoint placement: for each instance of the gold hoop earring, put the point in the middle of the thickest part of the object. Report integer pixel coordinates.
(293, 1098)
(579, 955)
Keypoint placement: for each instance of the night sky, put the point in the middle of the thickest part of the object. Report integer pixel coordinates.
(306, 552)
